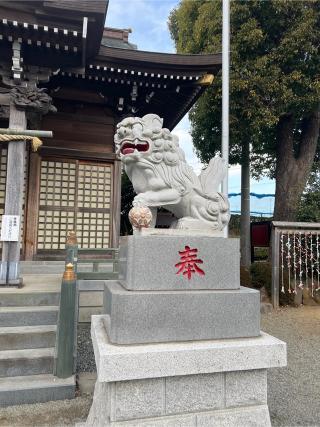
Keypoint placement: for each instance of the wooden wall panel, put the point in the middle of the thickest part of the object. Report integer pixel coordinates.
(81, 127)
(82, 134)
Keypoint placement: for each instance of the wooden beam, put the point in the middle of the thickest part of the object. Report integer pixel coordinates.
(77, 154)
(32, 204)
(29, 132)
(84, 40)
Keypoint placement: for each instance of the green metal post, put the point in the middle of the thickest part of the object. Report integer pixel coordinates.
(64, 362)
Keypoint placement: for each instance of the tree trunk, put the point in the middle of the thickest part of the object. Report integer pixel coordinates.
(293, 169)
(245, 243)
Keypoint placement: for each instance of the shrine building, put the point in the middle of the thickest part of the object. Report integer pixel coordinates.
(95, 77)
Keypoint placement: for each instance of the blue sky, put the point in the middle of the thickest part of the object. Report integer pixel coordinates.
(148, 20)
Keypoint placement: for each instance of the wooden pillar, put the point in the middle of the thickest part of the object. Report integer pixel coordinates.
(116, 203)
(14, 193)
(275, 247)
(32, 207)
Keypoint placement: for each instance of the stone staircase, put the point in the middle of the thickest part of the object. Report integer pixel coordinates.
(27, 340)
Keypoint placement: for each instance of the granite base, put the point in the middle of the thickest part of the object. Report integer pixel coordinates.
(185, 315)
(150, 262)
(204, 383)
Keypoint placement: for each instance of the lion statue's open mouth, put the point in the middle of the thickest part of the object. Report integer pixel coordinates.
(130, 147)
(160, 175)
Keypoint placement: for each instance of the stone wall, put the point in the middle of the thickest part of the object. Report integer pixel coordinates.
(90, 299)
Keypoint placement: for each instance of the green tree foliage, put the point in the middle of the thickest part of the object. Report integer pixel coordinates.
(274, 86)
(309, 208)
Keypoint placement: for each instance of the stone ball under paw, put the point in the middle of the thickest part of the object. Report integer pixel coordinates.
(140, 216)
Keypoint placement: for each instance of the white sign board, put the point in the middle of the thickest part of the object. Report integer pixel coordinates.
(10, 228)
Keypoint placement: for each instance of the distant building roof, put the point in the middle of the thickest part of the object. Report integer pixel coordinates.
(116, 37)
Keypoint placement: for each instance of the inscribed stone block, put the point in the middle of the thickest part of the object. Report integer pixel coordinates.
(149, 262)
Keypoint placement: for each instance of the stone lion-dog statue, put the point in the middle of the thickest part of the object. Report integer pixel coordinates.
(160, 176)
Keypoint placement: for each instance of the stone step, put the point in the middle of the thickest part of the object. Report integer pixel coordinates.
(34, 389)
(42, 267)
(37, 268)
(15, 363)
(28, 316)
(12, 299)
(23, 337)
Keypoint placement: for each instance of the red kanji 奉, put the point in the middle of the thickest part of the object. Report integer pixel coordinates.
(189, 263)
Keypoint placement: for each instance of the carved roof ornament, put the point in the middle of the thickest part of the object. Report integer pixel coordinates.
(4, 112)
(33, 100)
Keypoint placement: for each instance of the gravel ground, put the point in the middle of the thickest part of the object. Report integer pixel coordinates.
(293, 394)
(294, 391)
(85, 357)
(62, 413)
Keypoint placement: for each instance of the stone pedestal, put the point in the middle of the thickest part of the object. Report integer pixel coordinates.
(197, 383)
(178, 349)
(149, 263)
(139, 317)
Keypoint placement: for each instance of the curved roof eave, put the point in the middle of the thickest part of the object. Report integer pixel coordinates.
(203, 62)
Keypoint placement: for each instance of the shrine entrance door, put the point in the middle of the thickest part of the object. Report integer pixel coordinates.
(74, 195)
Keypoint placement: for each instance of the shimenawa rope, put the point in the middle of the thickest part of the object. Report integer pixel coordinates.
(36, 142)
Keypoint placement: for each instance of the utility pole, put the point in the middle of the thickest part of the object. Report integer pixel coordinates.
(225, 93)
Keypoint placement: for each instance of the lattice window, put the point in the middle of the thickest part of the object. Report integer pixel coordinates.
(57, 194)
(94, 204)
(74, 195)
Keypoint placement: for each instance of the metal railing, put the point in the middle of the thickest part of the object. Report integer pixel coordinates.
(65, 349)
(103, 264)
(94, 264)
(295, 256)
(95, 260)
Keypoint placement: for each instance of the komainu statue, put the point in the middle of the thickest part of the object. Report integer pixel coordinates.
(157, 168)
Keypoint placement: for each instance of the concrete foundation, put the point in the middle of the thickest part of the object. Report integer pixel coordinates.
(203, 383)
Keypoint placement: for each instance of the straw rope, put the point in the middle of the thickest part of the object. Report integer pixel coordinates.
(36, 142)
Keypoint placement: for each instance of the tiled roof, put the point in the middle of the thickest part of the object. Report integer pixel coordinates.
(121, 44)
